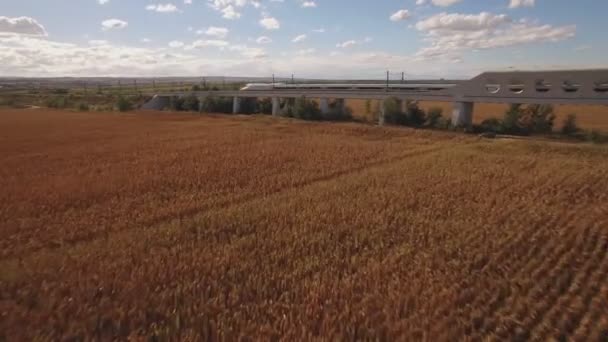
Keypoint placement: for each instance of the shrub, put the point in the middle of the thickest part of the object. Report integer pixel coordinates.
(190, 103)
(414, 115)
(338, 111)
(83, 107)
(196, 87)
(538, 119)
(493, 125)
(392, 112)
(532, 119)
(57, 102)
(597, 137)
(264, 106)
(511, 120)
(570, 127)
(217, 105)
(306, 109)
(434, 117)
(123, 104)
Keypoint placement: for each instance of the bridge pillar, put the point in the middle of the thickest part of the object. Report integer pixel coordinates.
(276, 106)
(382, 116)
(324, 105)
(462, 114)
(236, 105)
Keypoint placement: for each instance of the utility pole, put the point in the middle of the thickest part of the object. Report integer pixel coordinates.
(154, 85)
(272, 81)
(387, 79)
(292, 79)
(135, 84)
(402, 77)
(119, 87)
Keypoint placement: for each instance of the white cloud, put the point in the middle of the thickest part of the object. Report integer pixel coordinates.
(445, 3)
(103, 2)
(162, 8)
(299, 38)
(203, 43)
(308, 51)
(462, 22)
(98, 42)
(347, 44)
(22, 25)
(248, 52)
(263, 40)
(308, 4)
(319, 30)
(230, 9)
(270, 23)
(187, 2)
(400, 15)
(452, 34)
(146, 40)
(113, 24)
(176, 44)
(217, 32)
(521, 3)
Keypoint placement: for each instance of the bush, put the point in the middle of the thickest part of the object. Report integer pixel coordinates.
(338, 111)
(57, 102)
(597, 137)
(539, 119)
(264, 106)
(196, 87)
(392, 112)
(217, 105)
(306, 109)
(83, 107)
(511, 120)
(434, 117)
(189, 103)
(123, 104)
(533, 119)
(493, 125)
(570, 127)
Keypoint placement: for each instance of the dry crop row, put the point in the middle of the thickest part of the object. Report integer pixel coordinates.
(445, 239)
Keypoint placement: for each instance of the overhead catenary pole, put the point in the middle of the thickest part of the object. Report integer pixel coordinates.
(387, 78)
(402, 77)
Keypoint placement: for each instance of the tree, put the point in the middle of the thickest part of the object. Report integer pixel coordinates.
(414, 115)
(511, 120)
(434, 117)
(493, 125)
(123, 104)
(538, 119)
(306, 109)
(570, 127)
(190, 103)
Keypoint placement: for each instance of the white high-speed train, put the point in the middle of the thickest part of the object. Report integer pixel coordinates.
(348, 86)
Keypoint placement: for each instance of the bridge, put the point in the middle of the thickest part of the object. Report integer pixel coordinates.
(588, 87)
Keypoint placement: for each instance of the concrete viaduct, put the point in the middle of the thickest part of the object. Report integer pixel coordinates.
(524, 87)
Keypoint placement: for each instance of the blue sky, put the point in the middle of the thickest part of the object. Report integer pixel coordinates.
(311, 38)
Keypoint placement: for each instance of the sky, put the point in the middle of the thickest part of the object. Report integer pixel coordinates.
(308, 38)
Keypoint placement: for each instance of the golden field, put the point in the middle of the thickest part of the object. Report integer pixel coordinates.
(185, 227)
(588, 116)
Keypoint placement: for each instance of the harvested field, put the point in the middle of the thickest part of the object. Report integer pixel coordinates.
(588, 116)
(192, 227)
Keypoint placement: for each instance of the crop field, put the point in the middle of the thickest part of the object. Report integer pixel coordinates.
(588, 116)
(187, 227)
